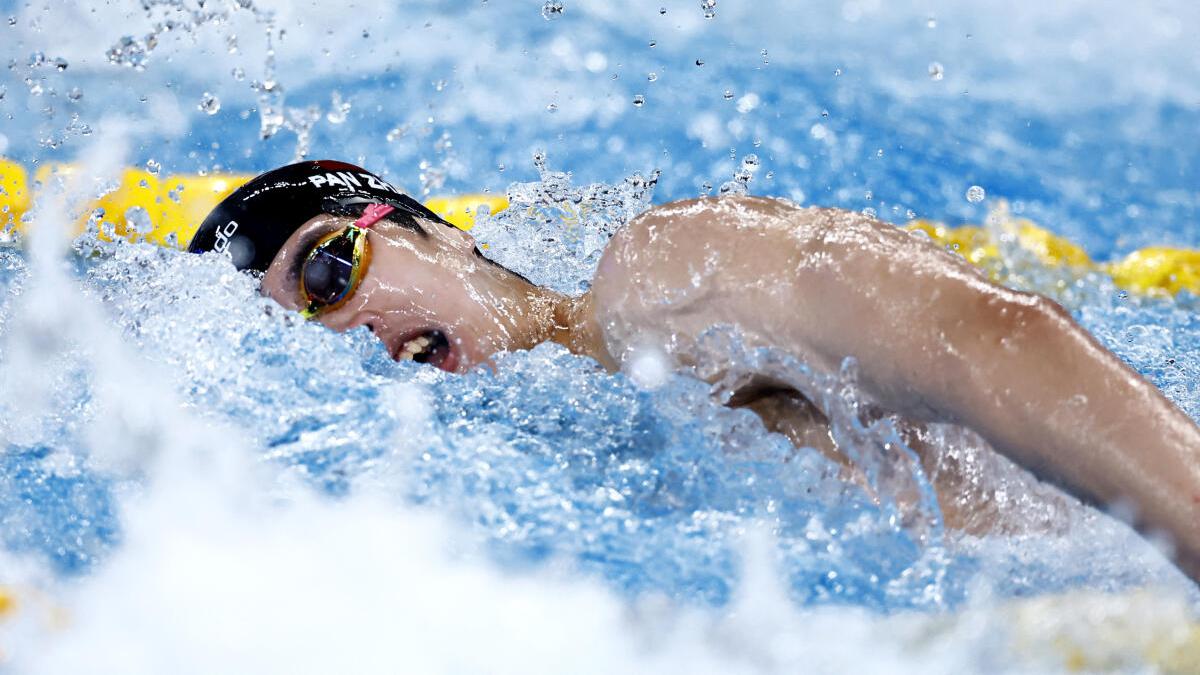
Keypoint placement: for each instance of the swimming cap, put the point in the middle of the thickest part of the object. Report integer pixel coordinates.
(254, 222)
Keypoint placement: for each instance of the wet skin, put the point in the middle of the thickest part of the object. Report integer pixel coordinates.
(935, 340)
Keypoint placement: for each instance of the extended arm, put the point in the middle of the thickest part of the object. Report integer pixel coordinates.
(935, 340)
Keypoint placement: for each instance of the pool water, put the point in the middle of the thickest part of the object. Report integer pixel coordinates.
(192, 478)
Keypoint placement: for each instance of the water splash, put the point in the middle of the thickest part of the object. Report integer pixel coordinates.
(550, 219)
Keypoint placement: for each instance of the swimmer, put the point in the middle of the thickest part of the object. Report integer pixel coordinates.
(935, 340)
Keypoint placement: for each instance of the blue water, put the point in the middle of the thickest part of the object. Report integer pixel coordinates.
(548, 459)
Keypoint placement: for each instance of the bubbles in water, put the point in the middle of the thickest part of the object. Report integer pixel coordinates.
(75, 94)
(12, 21)
(37, 59)
(699, 62)
(238, 73)
(552, 107)
(209, 104)
(338, 109)
(651, 77)
(153, 167)
(653, 44)
(552, 10)
(931, 22)
(60, 64)
(709, 7)
(936, 71)
(975, 194)
(639, 100)
(728, 95)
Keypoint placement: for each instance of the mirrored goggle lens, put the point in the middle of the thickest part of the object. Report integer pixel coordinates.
(329, 271)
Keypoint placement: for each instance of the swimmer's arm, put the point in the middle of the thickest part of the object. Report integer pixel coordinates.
(937, 340)
(934, 340)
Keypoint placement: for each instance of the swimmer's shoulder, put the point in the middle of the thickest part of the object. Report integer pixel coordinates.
(670, 241)
(691, 222)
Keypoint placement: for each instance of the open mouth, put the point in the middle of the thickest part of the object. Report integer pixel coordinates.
(430, 347)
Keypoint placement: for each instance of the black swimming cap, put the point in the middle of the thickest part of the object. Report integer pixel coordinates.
(252, 224)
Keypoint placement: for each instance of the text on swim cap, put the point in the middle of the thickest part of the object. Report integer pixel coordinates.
(348, 180)
(223, 235)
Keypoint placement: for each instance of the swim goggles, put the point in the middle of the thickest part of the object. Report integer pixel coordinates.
(335, 266)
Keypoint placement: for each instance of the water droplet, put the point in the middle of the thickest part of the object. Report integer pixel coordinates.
(709, 7)
(129, 52)
(37, 59)
(209, 104)
(879, 152)
(763, 54)
(396, 132)
(651, 77)
(750, 162)
(837, 72)
(931, 22)
(936, 71)
(975, 194)
(706, 188)
(825, 114)
(500, 167)
(238, 74)
(153, 167)
(728, 95)
(869, 212)
(748, 102)
(60, 64)
(552, 107)
(75, 94)
(699, 62)
(552, 10)
(653, 44)
(12, 21)
(639, 100)
(339, 109)
(137, 220)
(366, 34)
(662, 10)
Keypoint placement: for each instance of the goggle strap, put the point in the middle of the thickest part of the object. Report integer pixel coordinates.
(373, 214)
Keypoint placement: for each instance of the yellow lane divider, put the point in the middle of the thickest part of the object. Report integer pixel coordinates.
(170, 208)
(174, 205)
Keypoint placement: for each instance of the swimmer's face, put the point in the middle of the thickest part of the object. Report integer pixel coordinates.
(425, 292)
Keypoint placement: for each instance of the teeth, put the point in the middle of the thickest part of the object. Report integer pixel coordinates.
(414, 347)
